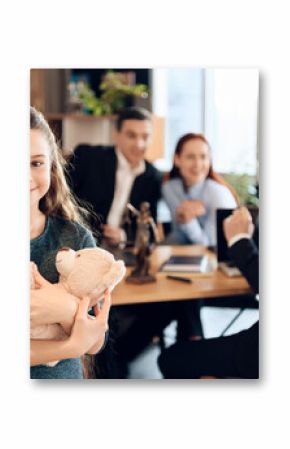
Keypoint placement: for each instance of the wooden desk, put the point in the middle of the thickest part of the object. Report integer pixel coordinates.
(205, 285)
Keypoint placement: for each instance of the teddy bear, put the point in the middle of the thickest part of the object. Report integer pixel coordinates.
(86, 272)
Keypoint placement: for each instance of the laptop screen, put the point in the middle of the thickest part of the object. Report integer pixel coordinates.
(222, 247)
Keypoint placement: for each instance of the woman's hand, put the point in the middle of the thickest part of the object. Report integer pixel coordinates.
(88, 333)
(189, 209)
(50, 303)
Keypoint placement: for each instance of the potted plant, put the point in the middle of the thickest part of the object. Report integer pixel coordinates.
(117, 91)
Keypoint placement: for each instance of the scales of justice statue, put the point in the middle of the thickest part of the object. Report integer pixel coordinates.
(142, 246)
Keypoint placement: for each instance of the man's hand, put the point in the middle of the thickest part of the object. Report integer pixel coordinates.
(113, 234)
(189, 209)
(240, 222)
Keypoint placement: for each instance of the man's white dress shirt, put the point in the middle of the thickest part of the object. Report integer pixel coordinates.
(125, 177)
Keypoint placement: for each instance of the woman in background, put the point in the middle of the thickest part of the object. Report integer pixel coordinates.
(193, 193)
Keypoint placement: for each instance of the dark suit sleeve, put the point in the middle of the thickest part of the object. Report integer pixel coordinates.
(156, 196)
(245, 255)
(75, 169)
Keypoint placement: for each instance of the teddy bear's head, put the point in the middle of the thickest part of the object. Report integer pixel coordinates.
(89, 271)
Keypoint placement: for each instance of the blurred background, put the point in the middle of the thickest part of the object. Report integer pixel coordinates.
(222, 104)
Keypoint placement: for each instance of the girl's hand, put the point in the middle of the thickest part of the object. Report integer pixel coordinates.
(39, 281)
(88, 333)
(50, 304)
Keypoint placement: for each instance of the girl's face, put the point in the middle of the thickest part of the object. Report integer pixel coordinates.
(39, 167)
(193, 161)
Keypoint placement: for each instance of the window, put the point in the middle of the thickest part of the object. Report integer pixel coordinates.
(231, 118)
(220, 103)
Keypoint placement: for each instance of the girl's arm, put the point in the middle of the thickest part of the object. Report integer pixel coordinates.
(101, 343)
(87, 336)
(98, 346)
(50, 303)
(44, 351)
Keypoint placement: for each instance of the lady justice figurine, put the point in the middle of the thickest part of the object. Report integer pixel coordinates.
(142, 246)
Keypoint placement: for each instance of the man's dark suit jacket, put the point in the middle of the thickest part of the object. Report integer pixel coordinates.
(92, 176)
(245, 255)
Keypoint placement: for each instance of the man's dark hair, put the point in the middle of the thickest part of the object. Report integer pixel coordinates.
(132, 113)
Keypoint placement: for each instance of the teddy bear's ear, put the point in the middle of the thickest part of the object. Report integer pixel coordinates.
(65, 260)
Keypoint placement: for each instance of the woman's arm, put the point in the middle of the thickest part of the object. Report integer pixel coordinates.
(189, 211)
(214, 196)
(195, 233)
(173, 196)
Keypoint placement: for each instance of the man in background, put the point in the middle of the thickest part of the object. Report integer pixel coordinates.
(108, 177)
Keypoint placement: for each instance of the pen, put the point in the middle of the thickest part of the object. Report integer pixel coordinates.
(179, 278)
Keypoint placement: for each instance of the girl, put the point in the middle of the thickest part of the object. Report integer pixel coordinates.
(194, 192)
(55, 222)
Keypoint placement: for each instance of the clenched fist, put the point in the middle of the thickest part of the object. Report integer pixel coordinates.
(240, 222)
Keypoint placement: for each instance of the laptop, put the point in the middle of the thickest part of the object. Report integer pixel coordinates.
(224, 262)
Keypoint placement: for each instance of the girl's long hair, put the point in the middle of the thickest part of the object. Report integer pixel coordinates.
(58, 201)
(175, 172)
